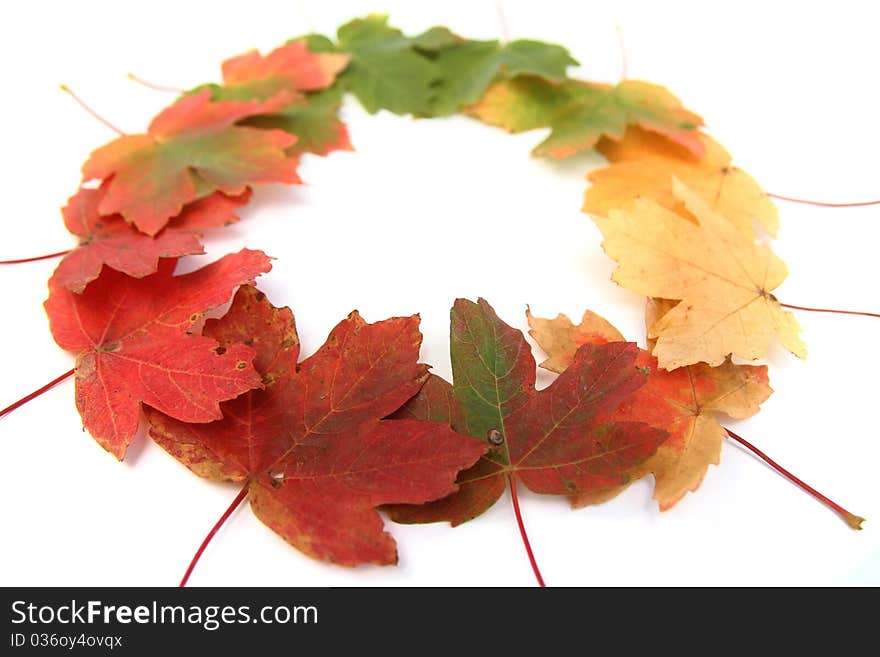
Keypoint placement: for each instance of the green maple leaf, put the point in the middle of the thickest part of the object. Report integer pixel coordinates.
(435, 73)
(469, 68)
(387, 69)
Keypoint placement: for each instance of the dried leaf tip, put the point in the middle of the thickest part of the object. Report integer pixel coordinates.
(853, 521)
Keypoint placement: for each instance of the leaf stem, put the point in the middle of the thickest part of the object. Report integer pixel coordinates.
(35, 393)
(822, 204)
(198, 555)
(829, 310)
(152, 85)
(522, 531)
(88, 109)
(851, 519)
(34, 259)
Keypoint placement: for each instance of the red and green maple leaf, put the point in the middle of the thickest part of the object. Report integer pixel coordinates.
(311, 447)
(282, 75)
(292, 82)
(554, 440)
(131, 337)
(191, 148)
(111, 241)
(685, 402)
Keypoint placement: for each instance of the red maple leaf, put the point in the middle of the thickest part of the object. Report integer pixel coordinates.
(110, 241)
(191, 147)
(311, 447)
(132, 344)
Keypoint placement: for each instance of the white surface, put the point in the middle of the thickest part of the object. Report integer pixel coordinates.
(426, 211)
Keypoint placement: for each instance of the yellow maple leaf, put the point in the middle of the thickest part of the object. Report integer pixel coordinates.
(560, 338)
(723, 279)
(643, 165)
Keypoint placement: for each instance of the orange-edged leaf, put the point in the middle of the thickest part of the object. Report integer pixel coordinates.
(189, 147)
(109, 240)
(279, 77)
(580, 113)
(317, 456)
(555, 441)
(132, 344)
(644, 166)
(294, 85)
(685, 402)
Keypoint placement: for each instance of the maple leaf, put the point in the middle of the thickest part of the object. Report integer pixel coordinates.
(560, 338)
(285, 71)
(580, 113)
(644, 165)
(282, 80)
(551, 440)
(132, 344)
(110, 241)
(387, 69)
(722, 278)
(192, 146)
(435, 39)
(313, 119)
(468, 68)
(435, 73)
(685, 402)
(311, 446)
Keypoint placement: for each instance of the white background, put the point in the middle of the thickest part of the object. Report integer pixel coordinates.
(423, 212)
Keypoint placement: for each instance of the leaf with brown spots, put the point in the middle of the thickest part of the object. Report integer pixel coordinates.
(555, 441)
(685, 402)
(311, 446)
(131, 337)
